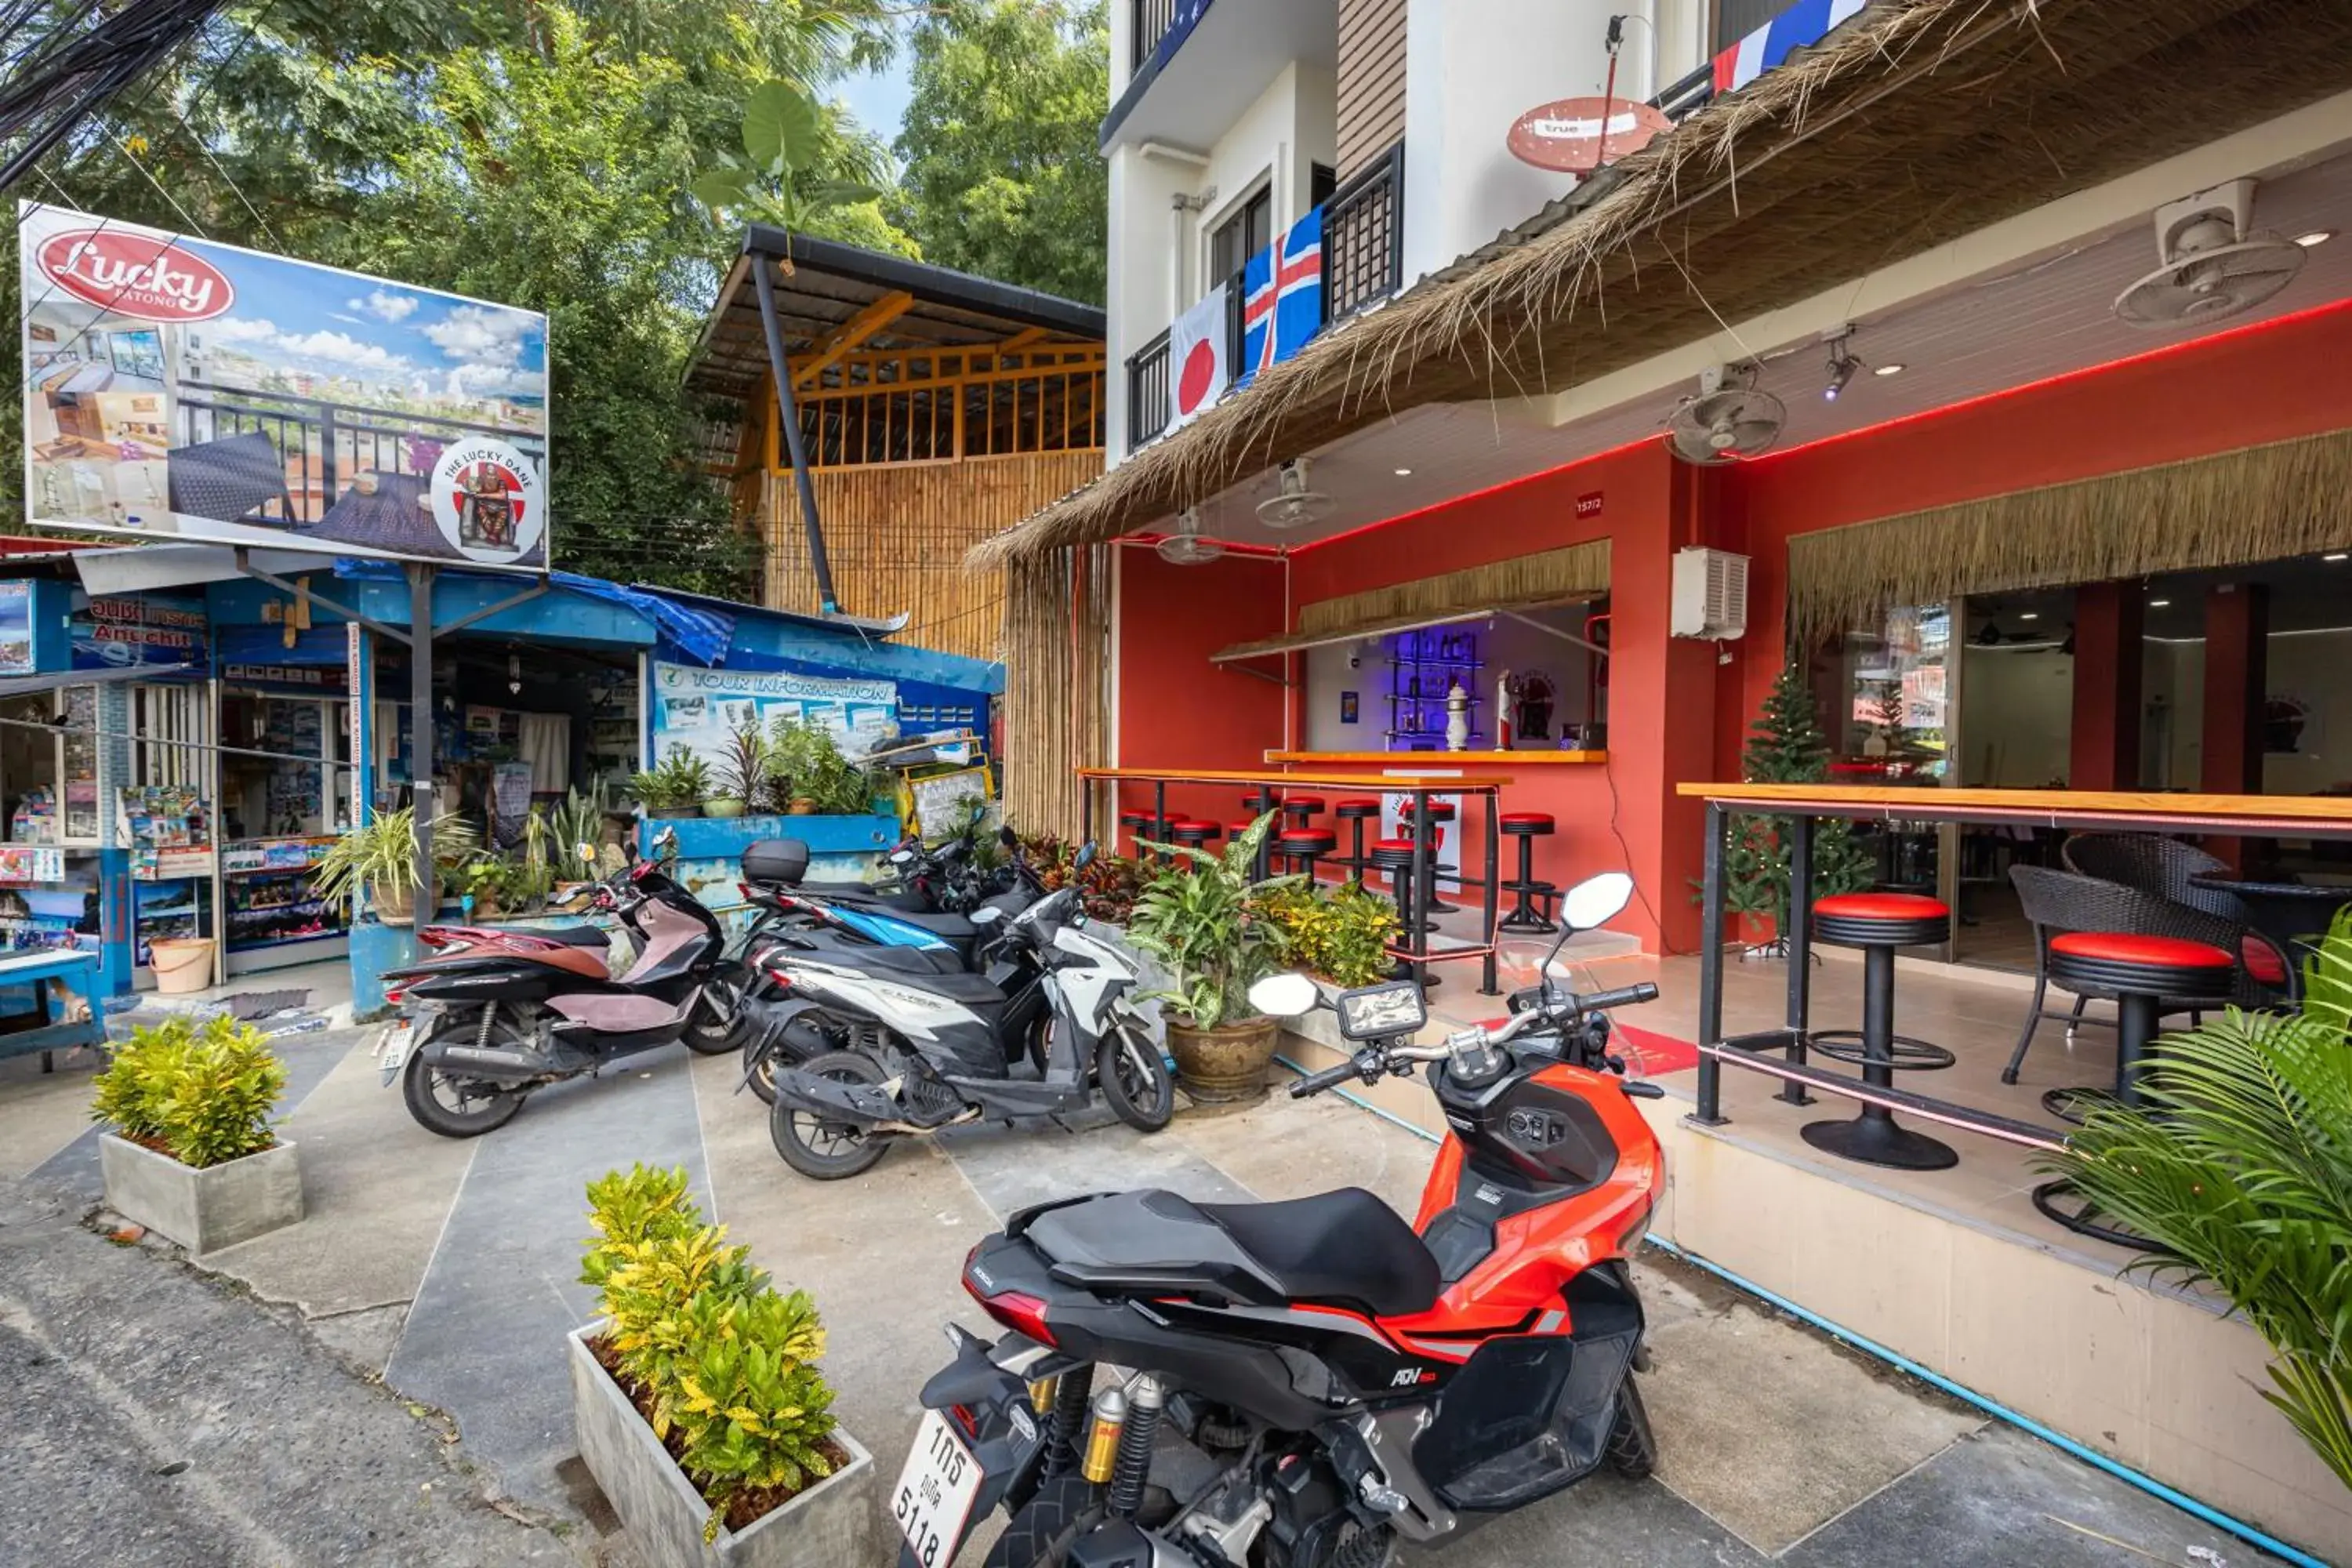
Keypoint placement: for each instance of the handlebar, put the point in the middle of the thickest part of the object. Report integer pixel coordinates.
(1623, 996)
(1329, 1078)
(1370, 1062)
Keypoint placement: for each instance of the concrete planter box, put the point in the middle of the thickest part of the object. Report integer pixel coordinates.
(831, 1525)
(205, 1210)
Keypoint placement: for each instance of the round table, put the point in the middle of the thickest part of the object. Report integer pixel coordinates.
(2286, 912)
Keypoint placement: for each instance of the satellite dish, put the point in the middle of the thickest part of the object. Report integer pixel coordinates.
(1296, 505)
(1577, 135)
(1185, 547)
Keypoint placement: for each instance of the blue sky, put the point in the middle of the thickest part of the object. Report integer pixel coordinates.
(879, 99)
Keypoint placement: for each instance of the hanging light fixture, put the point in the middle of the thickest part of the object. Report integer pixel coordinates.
(1843, 364)
(514, 672)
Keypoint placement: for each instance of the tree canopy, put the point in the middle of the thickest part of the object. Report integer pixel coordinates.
(1001, 174)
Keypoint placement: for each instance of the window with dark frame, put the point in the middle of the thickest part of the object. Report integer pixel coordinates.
(1242, 235)
(1321, 181)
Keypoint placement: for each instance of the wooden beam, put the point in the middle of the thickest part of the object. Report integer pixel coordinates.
(1021, 339)
(851, 333)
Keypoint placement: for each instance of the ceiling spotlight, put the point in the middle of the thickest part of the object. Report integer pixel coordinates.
(1843, 364)
(1404, 473)
(2336, 556)
(2031, 616)
(1895, 369)
(2160, 603)
(2316, 236)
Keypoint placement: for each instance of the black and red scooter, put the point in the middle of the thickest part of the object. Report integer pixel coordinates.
(1309, 1382)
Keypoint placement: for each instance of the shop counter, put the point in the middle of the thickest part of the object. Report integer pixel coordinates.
(1529, 758)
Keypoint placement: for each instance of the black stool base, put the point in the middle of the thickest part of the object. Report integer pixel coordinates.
(1907, 1054)
(1876, 1140)
(2061, 1205)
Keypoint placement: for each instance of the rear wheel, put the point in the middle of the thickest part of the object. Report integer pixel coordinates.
(820, 1150)
(1042, 1535)
(456, 1106)
(1135, 1078)
(1633, 1450)
(717, 1023)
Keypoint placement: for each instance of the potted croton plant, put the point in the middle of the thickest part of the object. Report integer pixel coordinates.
(191, 1153)
(698, 1404)
(1208, 929)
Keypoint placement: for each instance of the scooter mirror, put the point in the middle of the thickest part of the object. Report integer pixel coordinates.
(586, 851)
(1085, 856)
(1284, 996)
(1596, 900)
(986, 915)
(902, 856)
(1006, 837)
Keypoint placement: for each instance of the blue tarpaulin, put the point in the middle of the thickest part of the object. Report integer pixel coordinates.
(702, 634)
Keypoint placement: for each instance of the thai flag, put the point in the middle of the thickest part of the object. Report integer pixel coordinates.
(1282, 296)
(1806, 22)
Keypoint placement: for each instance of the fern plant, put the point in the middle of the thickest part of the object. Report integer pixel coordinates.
(201, 1095)
(2238, 1168)
(721, 1365)
(1209, 927)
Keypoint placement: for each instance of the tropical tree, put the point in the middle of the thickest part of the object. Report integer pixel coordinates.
(2238, 1168)
(1001, 174)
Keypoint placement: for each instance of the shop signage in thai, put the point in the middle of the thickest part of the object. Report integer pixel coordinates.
(701, 709)
(127, 631)
(182, 388)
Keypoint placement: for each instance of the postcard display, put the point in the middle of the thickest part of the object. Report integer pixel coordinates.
(169, 833)
(275, 915)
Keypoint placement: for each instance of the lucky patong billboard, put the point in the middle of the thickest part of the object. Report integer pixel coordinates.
(174, 387)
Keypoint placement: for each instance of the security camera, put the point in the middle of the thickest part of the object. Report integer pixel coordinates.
(1355, 661)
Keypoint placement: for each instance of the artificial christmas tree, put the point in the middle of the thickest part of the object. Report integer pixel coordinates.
(1786, 746)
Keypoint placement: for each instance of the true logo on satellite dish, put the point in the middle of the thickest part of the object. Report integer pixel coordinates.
(1568, 136)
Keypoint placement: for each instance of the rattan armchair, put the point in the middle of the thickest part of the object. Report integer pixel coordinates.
(2166, 867)
(2056, 902)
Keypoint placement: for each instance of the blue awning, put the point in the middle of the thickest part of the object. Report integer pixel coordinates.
(701, 634)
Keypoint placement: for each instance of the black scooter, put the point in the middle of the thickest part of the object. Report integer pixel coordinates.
(484, 1025)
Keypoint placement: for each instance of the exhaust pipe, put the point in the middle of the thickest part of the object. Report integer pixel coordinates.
(502, 1066)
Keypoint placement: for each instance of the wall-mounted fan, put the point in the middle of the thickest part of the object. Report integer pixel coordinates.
(1296, 505)
(1731, 417)
(1184, 546)
(2215, 263)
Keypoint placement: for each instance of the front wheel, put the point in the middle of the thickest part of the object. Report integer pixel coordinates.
(819, 1148)
(457, 1107)
(716, 1024)
(1135, 1078)
(1048, 1525)
(1633, 1450)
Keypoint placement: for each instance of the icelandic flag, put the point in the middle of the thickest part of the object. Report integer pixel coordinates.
(1806, 22)
(1282, 296)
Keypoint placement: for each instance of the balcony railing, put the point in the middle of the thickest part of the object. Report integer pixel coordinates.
(1363, 238)
(1148, 405)
(1363, 263)
(1154, 20)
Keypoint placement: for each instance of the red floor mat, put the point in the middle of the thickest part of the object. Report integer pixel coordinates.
(1652, 1055)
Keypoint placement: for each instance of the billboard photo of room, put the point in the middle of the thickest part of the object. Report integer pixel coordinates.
(174, 387)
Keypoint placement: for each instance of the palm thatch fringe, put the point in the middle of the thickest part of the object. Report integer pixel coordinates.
(1573, 572)
(1057, 638)
(1919, 121)
(2256, 504)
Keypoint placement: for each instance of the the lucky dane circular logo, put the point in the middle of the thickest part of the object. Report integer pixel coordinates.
(489, 500)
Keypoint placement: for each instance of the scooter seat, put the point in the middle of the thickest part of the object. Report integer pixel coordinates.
(1344, 1246)
(574, 936)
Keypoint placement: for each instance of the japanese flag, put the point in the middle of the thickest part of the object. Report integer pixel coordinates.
(1197, 371)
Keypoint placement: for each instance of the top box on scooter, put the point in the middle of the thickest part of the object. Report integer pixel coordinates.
(776, 860)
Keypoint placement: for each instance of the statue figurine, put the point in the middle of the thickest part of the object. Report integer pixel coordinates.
(1458, 719)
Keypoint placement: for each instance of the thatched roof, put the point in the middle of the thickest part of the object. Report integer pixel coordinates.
(1916, 123)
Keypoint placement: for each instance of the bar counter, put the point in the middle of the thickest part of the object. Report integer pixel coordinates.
(1392, 760)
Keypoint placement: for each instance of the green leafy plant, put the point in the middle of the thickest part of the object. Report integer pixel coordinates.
(2239, 1169)
(581, 820)
(1107, 885)
(780, 177)
(199, 1093)
(721, 1364)
(1342, 935)
(681, 780)
(1207, 927)
(805, 762)
(742, 772)
(380, 855)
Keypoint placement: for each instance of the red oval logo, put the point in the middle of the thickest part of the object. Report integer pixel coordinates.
(133, 273)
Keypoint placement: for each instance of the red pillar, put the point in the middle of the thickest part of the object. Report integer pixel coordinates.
(2237, 631)
(2105, 744)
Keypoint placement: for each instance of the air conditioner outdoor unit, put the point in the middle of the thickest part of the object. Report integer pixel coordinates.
(1710, 594)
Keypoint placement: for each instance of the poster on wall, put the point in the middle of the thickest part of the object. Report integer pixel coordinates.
(1396, 821)
(15, 628)
(702, 710)
(178, 387)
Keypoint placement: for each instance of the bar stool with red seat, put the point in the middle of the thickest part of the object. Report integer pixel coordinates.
(1878, 923)
(1138, 825)
(1441, 812)
(2140, 972)
(1300, 810)
(1192, 833)
(1302, 846)
(1395, 856)
(1526, 827)
(1357, 810)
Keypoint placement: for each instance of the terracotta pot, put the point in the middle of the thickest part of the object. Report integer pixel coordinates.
(802, 806)
(1227, 1063)
(393, 908)
(722, 808)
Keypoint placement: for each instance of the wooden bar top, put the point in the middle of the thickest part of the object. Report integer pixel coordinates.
(1927, 803)
(1392, 781)
(1438, 759)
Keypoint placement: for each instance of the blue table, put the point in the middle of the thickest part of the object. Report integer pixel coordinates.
(42, 1028)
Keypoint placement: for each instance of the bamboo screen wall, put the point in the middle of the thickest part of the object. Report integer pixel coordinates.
(896, 536)
(1575, 570)
(1057, 650)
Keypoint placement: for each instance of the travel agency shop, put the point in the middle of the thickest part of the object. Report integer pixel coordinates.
(334, 599)
(1982, 363)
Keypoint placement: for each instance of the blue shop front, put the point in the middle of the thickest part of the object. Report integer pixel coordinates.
(180, 742)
